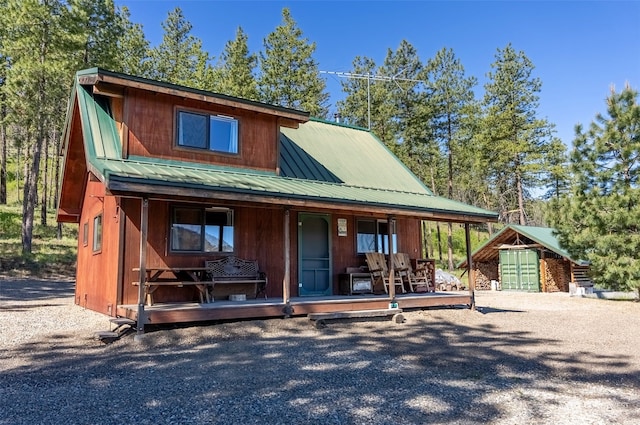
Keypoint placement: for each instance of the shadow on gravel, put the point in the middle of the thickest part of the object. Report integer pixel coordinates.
(270, 372)
(34, 290)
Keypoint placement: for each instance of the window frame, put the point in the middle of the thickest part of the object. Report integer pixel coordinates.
(97, 234)
(209, 143)
(85, 233)
(381, 243)
(223, 230)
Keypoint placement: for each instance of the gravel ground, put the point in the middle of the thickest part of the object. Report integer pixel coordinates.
(522, 358)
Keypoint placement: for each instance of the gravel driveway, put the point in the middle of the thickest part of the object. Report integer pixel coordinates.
(522, 358)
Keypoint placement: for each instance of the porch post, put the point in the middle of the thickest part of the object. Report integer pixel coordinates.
(286, 299)
(472, 280)
(144, 222)
(392, 283)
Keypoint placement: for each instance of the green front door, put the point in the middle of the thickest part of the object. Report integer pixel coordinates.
(520, 270)
(314, 254)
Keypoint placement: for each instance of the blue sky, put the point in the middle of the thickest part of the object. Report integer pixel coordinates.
(579, 48)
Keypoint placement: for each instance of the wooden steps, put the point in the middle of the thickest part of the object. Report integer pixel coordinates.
(123, 325)
(319, 319)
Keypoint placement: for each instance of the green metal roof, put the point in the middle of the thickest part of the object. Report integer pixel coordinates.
(338, 153)
(334, 165)
(541, 235)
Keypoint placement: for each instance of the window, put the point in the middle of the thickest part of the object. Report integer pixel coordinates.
(201, 230)
(85, 234)
(97, 233)
(372, 236)
(202, 131)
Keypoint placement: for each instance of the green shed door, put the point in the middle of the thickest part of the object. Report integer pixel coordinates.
(520, 270)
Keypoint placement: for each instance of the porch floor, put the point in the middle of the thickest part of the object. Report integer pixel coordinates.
(274, 307)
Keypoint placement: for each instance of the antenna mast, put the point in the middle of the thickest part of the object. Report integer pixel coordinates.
(369, 77)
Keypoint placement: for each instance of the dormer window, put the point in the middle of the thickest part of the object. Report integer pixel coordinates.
(216, 133)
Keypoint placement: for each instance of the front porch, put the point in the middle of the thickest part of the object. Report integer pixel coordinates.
(275, 307)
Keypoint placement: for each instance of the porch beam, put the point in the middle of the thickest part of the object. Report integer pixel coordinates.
(392, 282)
(472, 281)
(133, 189)
(286, 296)
(144, 225)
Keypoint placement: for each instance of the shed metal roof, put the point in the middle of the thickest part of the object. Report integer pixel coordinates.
(540, 235)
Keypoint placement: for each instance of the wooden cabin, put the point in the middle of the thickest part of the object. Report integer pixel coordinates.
(529, 259)
(164, 179)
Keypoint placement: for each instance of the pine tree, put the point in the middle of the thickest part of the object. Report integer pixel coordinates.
(96, 29)
(236, 72)
(556, 177)
(515, 137)
(451, 100)
(289, 74)
(37, 43)
(368, 103)
(179, 59)
(132, 56)
(404, 69)
(4, 65)
(599, 221)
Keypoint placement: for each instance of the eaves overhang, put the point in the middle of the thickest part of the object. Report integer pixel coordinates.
(147, 178)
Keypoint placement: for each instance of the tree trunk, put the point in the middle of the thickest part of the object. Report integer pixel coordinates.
(3, 158)
(56, 186)
(31, 185)
(45, 185)
(450, 245)
(523, 221)
(433, 189)
(450, 188)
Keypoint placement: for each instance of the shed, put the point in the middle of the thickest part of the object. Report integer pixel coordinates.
(526, 258)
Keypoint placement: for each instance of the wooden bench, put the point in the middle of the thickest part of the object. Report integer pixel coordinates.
(233, 270)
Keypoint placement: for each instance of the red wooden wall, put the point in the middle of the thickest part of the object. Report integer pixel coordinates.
(151, 122)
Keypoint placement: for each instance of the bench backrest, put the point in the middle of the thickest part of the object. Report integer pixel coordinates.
(231, 267)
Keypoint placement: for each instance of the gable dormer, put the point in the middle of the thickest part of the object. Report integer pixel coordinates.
(166, 121)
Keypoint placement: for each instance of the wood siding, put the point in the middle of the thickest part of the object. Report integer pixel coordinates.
(97, 272)
(258, 235)
(75, 172)
(150, 120)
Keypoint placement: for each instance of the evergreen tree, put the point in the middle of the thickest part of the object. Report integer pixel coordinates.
(599, 221)
(132, 47)
(179, 59)
(96, 29)
(404, 71)
(516, 139)
(37, 42)
(4, 65)
(556, 178)
(289, 74)
(452, 100)
(236, 72)
(368, 103)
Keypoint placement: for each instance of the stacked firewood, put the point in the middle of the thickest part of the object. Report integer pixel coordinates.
(484, 273)
(557, 275)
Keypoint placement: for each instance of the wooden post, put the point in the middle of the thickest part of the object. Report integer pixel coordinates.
(392, 283)
(543, 272)
(144, 224)
(286, 281)
(472, 281)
